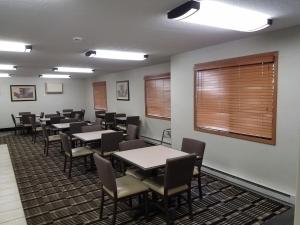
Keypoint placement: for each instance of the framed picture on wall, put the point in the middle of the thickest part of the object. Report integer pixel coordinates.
(20, 93)
(123, 90)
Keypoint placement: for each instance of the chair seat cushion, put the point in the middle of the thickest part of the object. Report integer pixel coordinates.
(108, 153)
(136, 173)
(121, 127)
(157, 184)
(54, 138)
(196, 171)
(127, 186)
(80, 151)
(38, 129)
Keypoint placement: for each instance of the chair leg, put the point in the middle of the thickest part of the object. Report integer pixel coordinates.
(47, 148)
(166, 205)
(190, 204)
(101, 204)
(146, 205)
(113, 222)
(199, 186)
(65, 163)
(85, 162)
(70, 168)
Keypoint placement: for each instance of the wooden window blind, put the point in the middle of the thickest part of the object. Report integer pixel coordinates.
(237, 97)
(158, 96)
(100, 99)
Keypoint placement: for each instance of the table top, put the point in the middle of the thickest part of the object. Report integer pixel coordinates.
(65, 125)
(61, 125)
(44, 119)
(149, 157)
(121, 118)
(91, 136)
(21, 116)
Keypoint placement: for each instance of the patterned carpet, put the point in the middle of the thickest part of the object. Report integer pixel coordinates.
(49, 197)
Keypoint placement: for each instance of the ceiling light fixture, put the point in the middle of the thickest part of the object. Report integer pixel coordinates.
(112, 54)
(73, 69)
(9, 46)
(7, 67)
(3, 75)
(217, 14)
(58, 76)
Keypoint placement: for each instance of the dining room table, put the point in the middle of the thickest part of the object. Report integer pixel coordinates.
(149, 158)
(91, 136)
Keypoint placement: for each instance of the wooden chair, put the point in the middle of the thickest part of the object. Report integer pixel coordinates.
(132, 132)
(49, 140)
(109, 121)
(110, 143)
(73, 153)
(18, 126)
(35, 128)
(117, 189)
(177, 180)
(132, 171)
(195, 147)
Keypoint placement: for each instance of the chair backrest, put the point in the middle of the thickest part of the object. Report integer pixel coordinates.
(106, 173)
(91, 128)
(132, 132)
(135, 120)
(58, 113)
(82, 113)
(45, 132)
(54, 120)
(179, 171)
(120, 115)
(99, 112)
(76, 115)
(110, 141)
(32, 121)
(50, 115)
(99, 121)
(25, 118)
(14, 119)
(67, 110)
(42, 114)
(70, 120)
(66, 145)
(24, 113)
(110, 117)
(76, 127)
(132, 144)
(193, 146)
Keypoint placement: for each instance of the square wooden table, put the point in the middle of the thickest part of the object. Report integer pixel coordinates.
(91, 136)
(149, 157)
(61, 126)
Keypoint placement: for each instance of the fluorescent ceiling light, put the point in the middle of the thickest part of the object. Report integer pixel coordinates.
(217, 14)
(112, 54)
(73, 69)
(185, 10)
(7, 67)
(5, 75)
(59, 76)
(9, 46)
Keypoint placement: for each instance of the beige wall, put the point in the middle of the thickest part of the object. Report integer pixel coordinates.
(74, 97)
(151, 128)
(272, 166)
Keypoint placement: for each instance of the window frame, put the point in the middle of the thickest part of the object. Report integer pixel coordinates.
(156, 77)
(95, 96)
(238, 61)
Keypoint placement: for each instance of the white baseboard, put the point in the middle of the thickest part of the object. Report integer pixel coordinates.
(268, 192)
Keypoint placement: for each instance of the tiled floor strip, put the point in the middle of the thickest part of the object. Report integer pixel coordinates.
(11, 210)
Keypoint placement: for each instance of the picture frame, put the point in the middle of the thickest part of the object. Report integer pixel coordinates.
(122, 88)
(20, 93)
